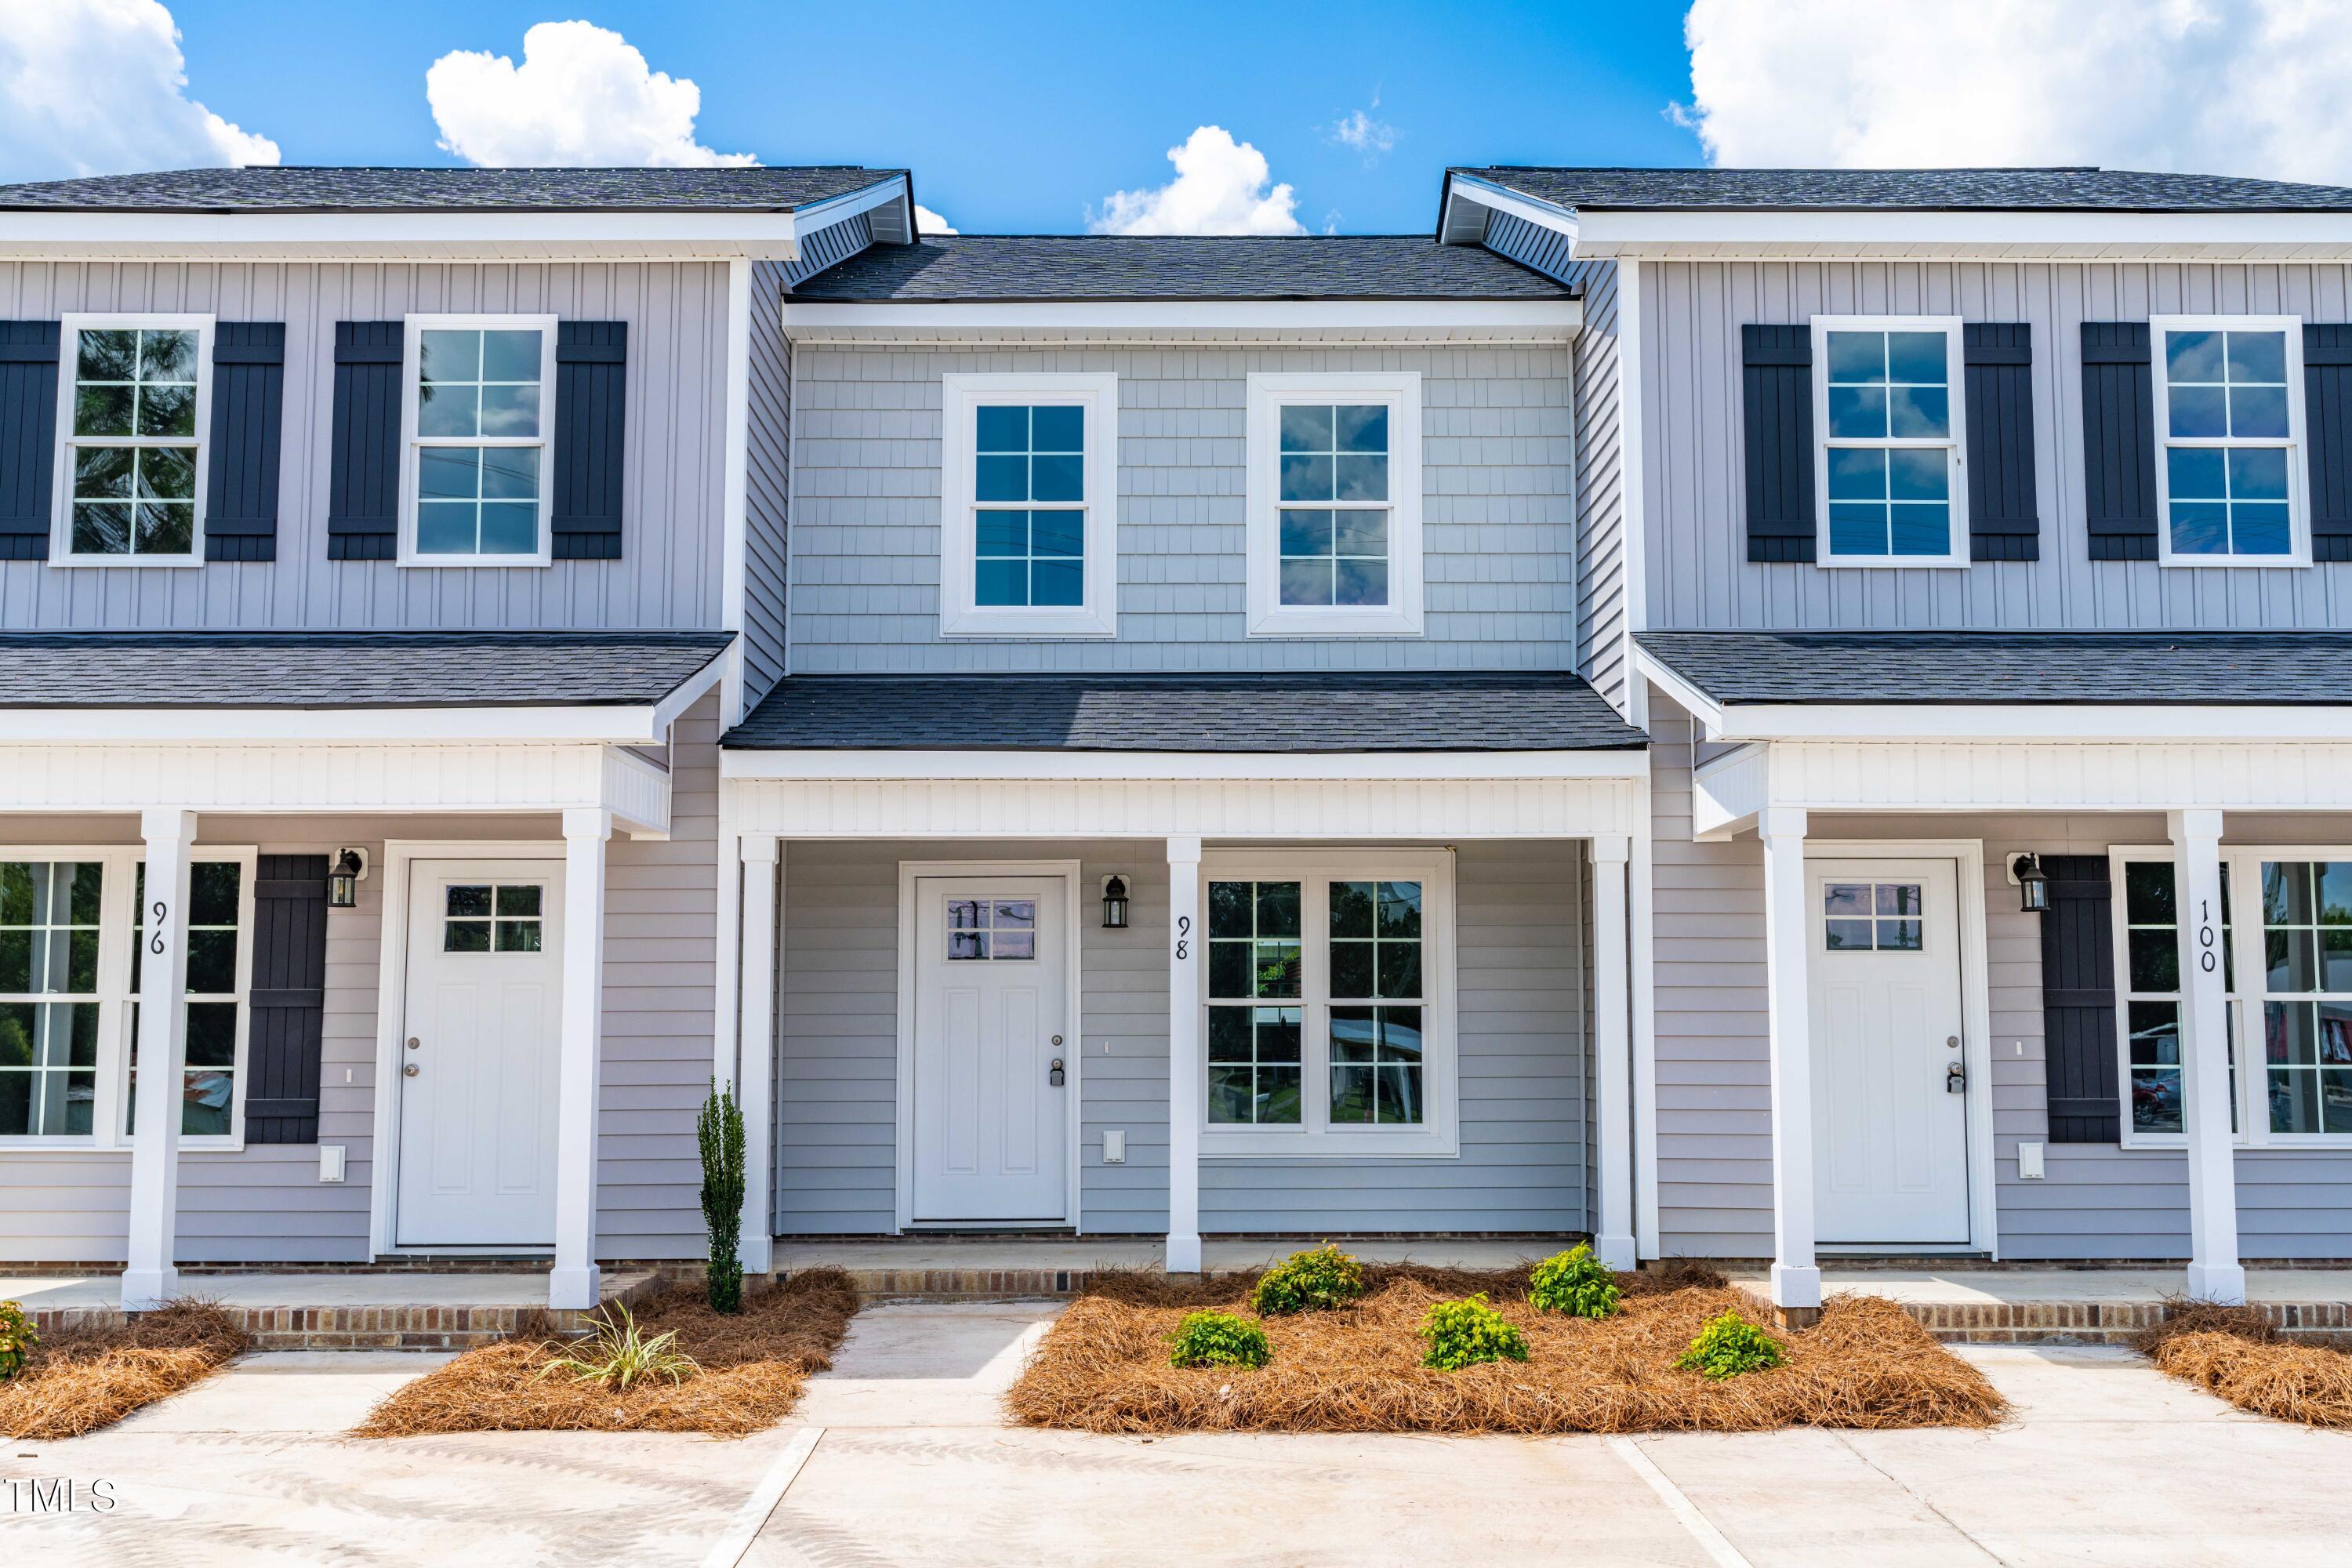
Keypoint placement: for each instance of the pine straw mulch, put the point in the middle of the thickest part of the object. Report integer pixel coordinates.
(1104, 1366)
(80, 1379)
(752, 1364)
(2233, 1353)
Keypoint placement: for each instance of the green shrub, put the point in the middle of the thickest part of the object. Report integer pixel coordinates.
(1313, 1282)
(16, 1339)
(1574, 1282)
(1218, 1339)
(1728, 1346)
(720, 1132)
(1463, 1333)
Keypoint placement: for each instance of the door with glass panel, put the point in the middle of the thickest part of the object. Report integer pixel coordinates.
(992, 1048)
(1890, 1076)
(480, 1051)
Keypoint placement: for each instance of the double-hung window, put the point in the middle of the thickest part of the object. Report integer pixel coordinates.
(70, 983)
(1334, 504)
(1328, 993)
(1029, 516)
(133, 407)
(1887, 404)
(2306, 994)
(478, 407)
(2145, 917)
(2229, 416)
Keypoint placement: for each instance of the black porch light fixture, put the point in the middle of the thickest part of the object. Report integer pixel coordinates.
(344, 879)
(1114, 902)
(2033, 883)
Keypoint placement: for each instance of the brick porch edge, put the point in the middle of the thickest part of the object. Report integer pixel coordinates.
(411, 1328)
(2061, 1323)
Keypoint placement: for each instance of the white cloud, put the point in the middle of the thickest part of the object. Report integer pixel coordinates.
(98, 87)
(2224, 87)
(1362, 133)
(1221, 187)
(583, 96)
(929, 222)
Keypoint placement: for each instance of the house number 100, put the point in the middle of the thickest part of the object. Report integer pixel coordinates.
(2205, 936)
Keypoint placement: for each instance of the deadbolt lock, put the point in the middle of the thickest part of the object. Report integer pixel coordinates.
(411, 1042)
(1054, 1076)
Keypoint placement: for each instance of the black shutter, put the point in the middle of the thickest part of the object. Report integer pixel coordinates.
(363, 485)
(2004, 509)
(2078, 1000)
(248, 408)
(28, 436)
(2118, 441)
(288, 999)
(2327, 426)
(1776, 388)
(590, 417)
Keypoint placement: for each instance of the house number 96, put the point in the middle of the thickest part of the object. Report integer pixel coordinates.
(156, 944)
(1184, 931)
(2205, 936)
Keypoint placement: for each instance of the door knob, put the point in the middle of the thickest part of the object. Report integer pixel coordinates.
(1054, 1076)
(1956, 1079)
(411, 1070)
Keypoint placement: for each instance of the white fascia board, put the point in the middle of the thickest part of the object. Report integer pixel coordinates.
(2059, 236)
(807, 220)
(1501, 199)
(1702, 708)
(691, 691)
(618, 724)
(1531, 321)
(341, 235)
(2024, 722)
(1336, 767)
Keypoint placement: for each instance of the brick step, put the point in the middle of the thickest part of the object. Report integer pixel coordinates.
(2066, 1322)
(964, 1284)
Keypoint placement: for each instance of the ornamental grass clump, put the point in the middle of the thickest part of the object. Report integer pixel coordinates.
(619, 1353)
(1728, 1346)
(1463, 1333)
(1317, 1280)
(1574, 1283)
(1218, 1339)
(16, 1339)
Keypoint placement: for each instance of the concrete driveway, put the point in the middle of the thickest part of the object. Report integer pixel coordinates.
(900, 1458)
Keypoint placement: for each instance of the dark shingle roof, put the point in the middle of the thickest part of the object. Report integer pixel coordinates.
(2159, 669)
(348, 669)
(974, 268)
(1289, 712)
(300, 189)
(1830, 190)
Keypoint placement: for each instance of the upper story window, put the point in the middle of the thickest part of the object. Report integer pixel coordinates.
(1891, 420)
(1029, 519)
(1334, 504)
(2229, 414)
(478, 414)
(131, 467)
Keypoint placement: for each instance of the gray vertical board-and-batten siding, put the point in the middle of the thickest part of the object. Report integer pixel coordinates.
(1498, 512)
(1698, 575)
(671, 506)
(1523, 1008)
(265, 1203)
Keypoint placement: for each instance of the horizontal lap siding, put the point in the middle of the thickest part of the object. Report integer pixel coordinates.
(1697, 572)
(671, 506)
(1498, 512)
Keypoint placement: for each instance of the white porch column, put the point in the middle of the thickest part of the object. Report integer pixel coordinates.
(1796, 1281)
(150, 1279)
(573, 1282)
(1185, 1071)
(1613, 1055)
(2215, 1272)
(755, 1084)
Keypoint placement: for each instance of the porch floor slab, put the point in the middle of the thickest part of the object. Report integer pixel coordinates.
(2015, 1306)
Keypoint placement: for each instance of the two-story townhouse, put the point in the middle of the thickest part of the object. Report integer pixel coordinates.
(1177, 809)
(1982, 580)
(372, 549)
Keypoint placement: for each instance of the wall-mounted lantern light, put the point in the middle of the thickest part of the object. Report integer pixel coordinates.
(2033, 883)
(344, 879)
(1114, 902)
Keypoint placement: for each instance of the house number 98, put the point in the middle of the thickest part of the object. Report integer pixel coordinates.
(1184, 931)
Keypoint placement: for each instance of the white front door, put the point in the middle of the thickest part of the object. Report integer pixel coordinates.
(991, 1138)
(1890, 1114)
(479, 1054)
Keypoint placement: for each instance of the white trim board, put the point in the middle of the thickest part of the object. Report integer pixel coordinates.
(1179, 320)
(903, 1066)
(1351, 767)
(542, 236)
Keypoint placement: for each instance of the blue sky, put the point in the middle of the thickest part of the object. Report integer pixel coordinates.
(1015, 118)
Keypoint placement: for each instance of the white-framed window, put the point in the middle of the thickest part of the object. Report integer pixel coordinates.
(1328, 1003)
(2145, 915)
(1334, 504)
(1029, 505)
(2305, 980)
(478, 411)
(2229, 426)
(1891, 426)
(134, 406)
(70, 978)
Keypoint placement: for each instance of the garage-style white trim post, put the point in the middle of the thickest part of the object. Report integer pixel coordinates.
(573, 1282)
(755, 1080)
(1186, 1073)
(149, 1279)
(1796, 1281)
(2215, 1272)
(1612, 1054)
